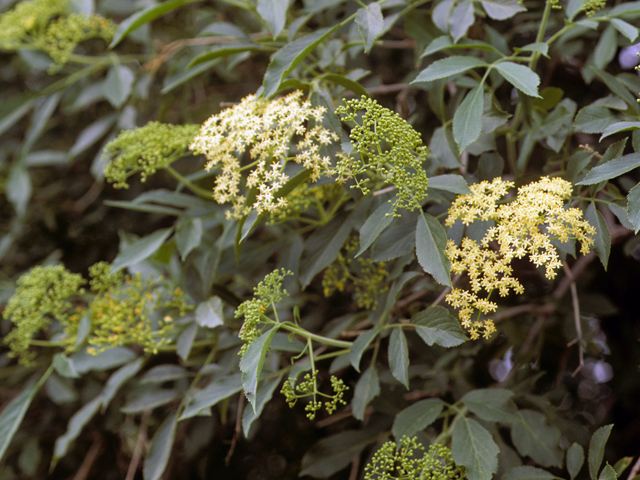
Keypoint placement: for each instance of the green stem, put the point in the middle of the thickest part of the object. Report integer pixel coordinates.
(318, 338)
(46, 343)
(201, 192)
(187, 398)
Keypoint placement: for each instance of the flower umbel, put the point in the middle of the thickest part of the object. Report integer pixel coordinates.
(523, 227)
(387, 150)
(309, 388)
(266, 128)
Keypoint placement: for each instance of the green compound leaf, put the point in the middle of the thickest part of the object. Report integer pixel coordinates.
(211, 395)
(417, 417)
(274, 13)
(473, 447)
(141, 249)
(602, 238)
(145, 16)
(431, 241)
(374, 225)
(521, 77)
(160, 449)
(611, 169)
(575, 459)
(370, 23)
(449, 66)
(467, 121)
(533, 437)
(437, 325)
(633, 207)
(528, 473)
(252, 362)
(399, 356)
(596, 449)
(492, 404)
(360, 345)
(74, 428)
(289, 57)
(367, 388)
(12, 416)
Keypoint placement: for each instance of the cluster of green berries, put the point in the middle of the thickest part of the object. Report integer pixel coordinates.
(387, 150)
(309, 388)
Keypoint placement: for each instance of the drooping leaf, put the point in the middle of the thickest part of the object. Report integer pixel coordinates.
(12, 416)
(218, 390)
(160, 449)
(575, 459)
(502, 9)
(467, 121)
(360, 345)
(602, 238)
(370, 23)
(289, 57)
(521, 77)
(91, 135)
(14, 109)
(209, 313)
(251, 364)
(620, 127)
(274, 13)
(528, 473)
(399, 356)
(416, 417)
(448, 67)
(374, 225)
(185, 341)
(431, 241)
(141, 249)
(74, 428)
(462, 17)
(492, 404)
(145, 16)
(473, 447)
(633, 207)
(265, 393)
(437, 325)
(611, 169)
(117, 379)
(367, 388)
(596, 449)
(533, 437)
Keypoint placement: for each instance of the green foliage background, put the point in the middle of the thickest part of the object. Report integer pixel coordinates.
(132, 370)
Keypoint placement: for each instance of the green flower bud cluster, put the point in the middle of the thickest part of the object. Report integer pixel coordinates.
(268, 292)
(146, 149)
(43, 294)
(402, 462)
(24, 25)
(368, 277)
(590, 7)
(385, 148)
(309, 388)
(304, 197)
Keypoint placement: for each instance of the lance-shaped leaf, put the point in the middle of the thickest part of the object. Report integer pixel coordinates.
(575, 459)
(449, 66)
(602, 238)
(160, 449)
(360, 345)
(12, 416)
(141, 249)
(596, 449)
(416, 417)
(431, 241)
(619, 127)
(374, 225)
(492, 404)
(633, 207)
(450, 183)
(367, 388)
(502, 9)
(611, 169)
(467, 121)
(473, 447)
(252, 362)
(533, 437)
(437, 325)
(274, 12)
(521, 77)
(119, 378)
(399, 356)
(212, 394)
(370, 23)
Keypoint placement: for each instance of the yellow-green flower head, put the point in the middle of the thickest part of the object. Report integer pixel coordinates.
(386, 149)
(145, 150)
(590, 7)
(266, 129)
(25, 23)
(43, 294)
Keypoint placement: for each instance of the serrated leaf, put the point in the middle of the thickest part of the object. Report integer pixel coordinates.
(448, 67)
(608, 473)
(209, 313)
(140, 250)
(450, 183)
(274, 13)
(431, 241)
(160, 449)
(467, 121)
(533, 437)
(367, 388)
(360, 345)
(625, 28)
(416, 417)
(74, 428)
(397, 240)
(602, 238)
(593, 119)
(575, 459)
(251, 364)
(622, 464)
(473, 447)
(462, 17)
(145, 16)
(528, 473)
(492, 404)
(209, 396)
(611, 169)
(399, 356)
(502, 9)
(374, 225)
(289, 57)
(617, 87)
(596, 449)
(370, 23)
(117, 379)
(620, 127)
(118, 85)
(521, 77)
(437, 325)
(633, 207)
(12, 416)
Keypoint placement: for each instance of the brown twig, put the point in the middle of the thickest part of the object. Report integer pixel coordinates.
(137, 451)
(89, 459)
(634, 469)
(237, 431)
(355, 467)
